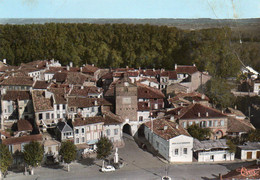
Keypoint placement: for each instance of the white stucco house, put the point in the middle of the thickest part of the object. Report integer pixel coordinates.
(170, 140)
(249, 151)
(212, 151)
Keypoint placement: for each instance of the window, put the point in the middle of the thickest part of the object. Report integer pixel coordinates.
(222, 123)
(64, 134)
(49, 149)
(112, 139)
(184, 124)
(108, 132)
(83, 139)
(212, 157)
(115, 131)
(176, 151)
(77, 140)
(40, 116)
(71, 109)
(58, 106)
(92, 109)
(58, 116)
(216, 123)
(140, 118)
(64, 107)
(47, 115)
(52, 115)
(82, 130)
(190, 123)
(87, 128)
(185, 151)
(210, 123)
(95, 127)
(76, 131)
(64, 115)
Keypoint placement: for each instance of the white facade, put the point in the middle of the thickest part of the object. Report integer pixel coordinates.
(88, 134)
(60, 111)
(176, 149)
(114, 133)
(143, 116)
(48, 76)
(212, 156)
(257, 88)
(150, 83)
(245, 154)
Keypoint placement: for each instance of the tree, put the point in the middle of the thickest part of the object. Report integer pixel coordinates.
(198, 132)
(6, 159)
(33, 154)
(68, 152)
(104, 148)
(219, 93)
(252, 136)
(232, 146)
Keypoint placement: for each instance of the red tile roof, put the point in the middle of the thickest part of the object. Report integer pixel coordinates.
(236, 125)
(145, 92)
(172, 130)
(16, 95)
(143, 106)
(86, 121)
(186, 69)
(24, 125)
(41, 85)
(17, 81)
(78, 91)
(108, 75)
(197, 111)
(89, 69)
(22, 139)
(170, 74)
(86, 102)
(150, 72)
(40, 103)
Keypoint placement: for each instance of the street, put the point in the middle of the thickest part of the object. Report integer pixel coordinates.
(139, 165)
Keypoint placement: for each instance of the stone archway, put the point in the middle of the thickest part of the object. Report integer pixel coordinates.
(141, 131)
(218, 134)
(127, 129)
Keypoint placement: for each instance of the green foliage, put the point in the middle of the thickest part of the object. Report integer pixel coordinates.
(253, 136)
(119, 45)
(68, 151)
(6, 158)
(219, 93)
(198, 132)
(232, 146)
(104, 148)
(33, 153)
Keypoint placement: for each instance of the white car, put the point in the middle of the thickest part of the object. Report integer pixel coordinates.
(108, 168)
(166, 178)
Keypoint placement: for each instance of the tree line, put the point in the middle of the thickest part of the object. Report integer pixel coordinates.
(120, 45)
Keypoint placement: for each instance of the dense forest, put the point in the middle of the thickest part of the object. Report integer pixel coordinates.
(117, 45)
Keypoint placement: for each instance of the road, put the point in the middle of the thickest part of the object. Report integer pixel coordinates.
(139, 165)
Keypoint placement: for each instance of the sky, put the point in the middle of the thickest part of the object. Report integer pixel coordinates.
(220, 9)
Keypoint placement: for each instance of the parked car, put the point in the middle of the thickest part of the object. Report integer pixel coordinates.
(166, 178)
(108, 168)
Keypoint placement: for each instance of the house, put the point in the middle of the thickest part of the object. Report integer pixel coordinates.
(249, 151)
(15, 105)
(86, 107)
(16, 145)
(51, 149)
(171, 141)
(43, 108)
(149, 99)
(256, 87)
(237, 127)
(202, 115)
(19, 83)
(112, 128)
(64, 131)
(151, 82)
(91, 70)
(83, 91)
(87, 131)
(176, 88)
(24, 126)
(212, 150)
(40, 85)
(167, 78)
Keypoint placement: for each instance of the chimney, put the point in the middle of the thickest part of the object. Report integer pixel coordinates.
(153, 69)
(12, 74)
(84, 65)
(235, 106)
(4, 61)
(81, 87)
(95, 103)
(198, 114)
(93, 65)
(175, 66)
(98, 89)
(148, 104)
(181, 103)
(177, 126)
(194, 65)
(68, 67)
(3, 91)
(179, 112)
(80, 69)
(172, 119)
(37, 65)
(169, 97)
(71, 64)
(207, 114)
(165, 128)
